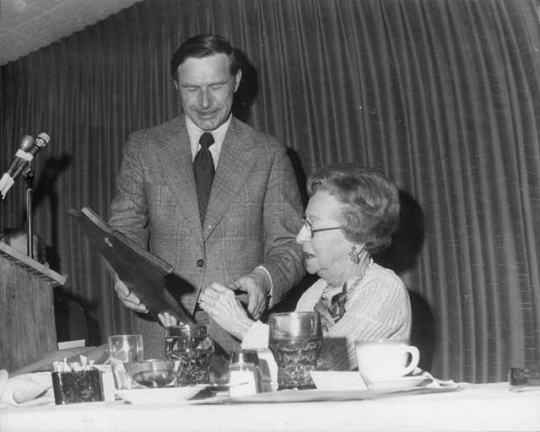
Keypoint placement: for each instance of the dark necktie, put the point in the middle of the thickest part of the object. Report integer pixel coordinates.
(203, 168)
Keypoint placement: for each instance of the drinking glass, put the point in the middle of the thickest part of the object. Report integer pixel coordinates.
(154, 373)
(124, 348)
(245, 374)
(192, 346)
(295, 340)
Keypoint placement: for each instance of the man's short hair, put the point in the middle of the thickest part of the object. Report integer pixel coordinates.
(201, 46)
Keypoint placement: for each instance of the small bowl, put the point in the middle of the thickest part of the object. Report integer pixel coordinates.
(154, 373)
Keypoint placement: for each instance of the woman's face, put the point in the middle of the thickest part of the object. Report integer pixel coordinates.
(327, 252)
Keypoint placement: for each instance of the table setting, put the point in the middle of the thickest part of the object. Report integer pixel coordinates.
(187, 379)
(284, 372)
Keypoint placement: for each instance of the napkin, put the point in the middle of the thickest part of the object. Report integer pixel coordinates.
(107, 381)
(26, 389)
(435, 383)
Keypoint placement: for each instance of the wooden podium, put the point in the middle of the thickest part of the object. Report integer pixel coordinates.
(27, 324)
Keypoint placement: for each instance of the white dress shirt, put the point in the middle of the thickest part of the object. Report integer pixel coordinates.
(195, 133)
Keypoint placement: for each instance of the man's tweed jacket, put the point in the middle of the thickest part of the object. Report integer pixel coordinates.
(253, 215)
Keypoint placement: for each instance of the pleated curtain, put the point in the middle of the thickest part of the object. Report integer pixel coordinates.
(441, 95)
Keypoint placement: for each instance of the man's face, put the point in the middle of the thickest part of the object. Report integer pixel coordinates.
(206, 88)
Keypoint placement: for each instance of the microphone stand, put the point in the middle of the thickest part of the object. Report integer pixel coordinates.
(28, 181)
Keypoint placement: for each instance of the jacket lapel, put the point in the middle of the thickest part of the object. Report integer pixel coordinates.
(175, 159)
(236, 161)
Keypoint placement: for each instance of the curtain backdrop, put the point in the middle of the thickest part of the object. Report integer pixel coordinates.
(442, 95)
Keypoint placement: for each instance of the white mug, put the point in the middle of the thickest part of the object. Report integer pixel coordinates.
(386, 359)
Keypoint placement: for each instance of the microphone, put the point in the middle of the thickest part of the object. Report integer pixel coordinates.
(27, 142)
(40, 143)
(21, 158)
(24, 156)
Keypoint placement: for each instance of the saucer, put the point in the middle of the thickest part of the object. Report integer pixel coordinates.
(158, 395)
(337, 380)
(333, 380)
(397, 384)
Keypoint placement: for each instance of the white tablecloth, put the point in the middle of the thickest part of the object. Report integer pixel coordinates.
(484, 407)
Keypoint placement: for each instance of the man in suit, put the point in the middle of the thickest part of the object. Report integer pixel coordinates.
(243, 233)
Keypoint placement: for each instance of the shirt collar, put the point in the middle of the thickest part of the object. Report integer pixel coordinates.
(195, 133)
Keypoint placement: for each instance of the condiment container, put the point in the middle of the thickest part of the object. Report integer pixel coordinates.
(75, 387)
(245, 375)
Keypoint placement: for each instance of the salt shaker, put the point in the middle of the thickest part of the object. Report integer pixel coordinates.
(245, 376)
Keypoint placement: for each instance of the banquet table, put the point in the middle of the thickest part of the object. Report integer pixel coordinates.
(474, 407)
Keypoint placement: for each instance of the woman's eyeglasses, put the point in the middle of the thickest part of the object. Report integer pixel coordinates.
(312, 231)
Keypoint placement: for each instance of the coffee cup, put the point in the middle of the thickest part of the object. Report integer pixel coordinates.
(386, 359)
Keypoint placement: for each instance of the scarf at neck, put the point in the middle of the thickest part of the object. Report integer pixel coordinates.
(332, 309)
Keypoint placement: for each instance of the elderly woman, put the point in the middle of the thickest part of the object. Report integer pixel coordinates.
(351, 215)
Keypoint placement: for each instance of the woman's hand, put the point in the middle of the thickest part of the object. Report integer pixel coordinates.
(223, 307)
(167, 320)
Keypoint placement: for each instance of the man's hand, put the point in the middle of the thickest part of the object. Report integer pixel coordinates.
(257, 286)
(127, 297)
